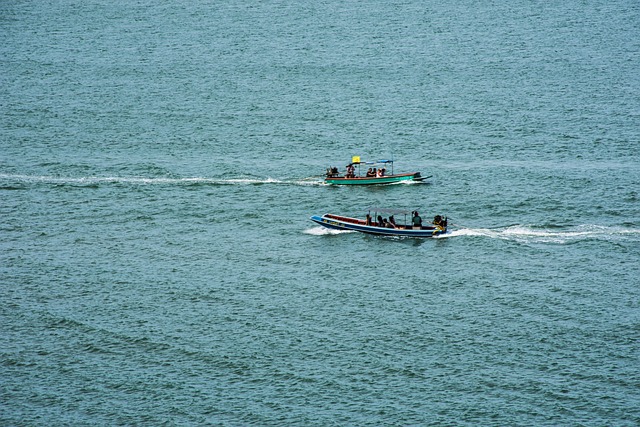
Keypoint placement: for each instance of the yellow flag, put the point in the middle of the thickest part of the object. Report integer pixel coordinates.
(355, 159)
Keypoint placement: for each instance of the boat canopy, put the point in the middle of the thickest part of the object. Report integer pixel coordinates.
(375, 162)
(389, 211)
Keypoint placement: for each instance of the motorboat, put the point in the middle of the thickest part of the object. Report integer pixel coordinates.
(378, 225)
(377, 173)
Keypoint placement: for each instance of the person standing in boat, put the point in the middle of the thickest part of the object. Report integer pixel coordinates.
(416, 221)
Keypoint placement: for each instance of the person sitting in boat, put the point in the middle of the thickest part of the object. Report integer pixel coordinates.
(380, 221)
(381, 172)
(392, 222)
(416, 221)
(351, 171)
(370, 173)
(369, 220)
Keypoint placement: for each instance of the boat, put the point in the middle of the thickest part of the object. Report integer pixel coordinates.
(380, 176)
(380, 226)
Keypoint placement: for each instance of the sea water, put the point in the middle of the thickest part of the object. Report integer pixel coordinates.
(159, 162)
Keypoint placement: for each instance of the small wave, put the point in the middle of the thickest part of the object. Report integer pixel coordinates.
(531, 234)
(12, 187)
(322, 231)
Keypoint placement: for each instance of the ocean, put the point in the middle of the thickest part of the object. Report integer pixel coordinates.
(159, 162)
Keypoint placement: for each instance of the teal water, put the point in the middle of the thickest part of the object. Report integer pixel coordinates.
(159, 162)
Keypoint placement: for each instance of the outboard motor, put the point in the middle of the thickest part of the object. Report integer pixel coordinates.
(332, 171)
(439, 221)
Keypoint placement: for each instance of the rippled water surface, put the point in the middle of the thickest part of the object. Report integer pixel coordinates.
(159, 163)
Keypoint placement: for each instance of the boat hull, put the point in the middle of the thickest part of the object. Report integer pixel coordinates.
(336, 222)
(389, 179)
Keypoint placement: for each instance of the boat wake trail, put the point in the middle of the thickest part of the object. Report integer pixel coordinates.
(11, 181)
(322, 231)
(533, 234)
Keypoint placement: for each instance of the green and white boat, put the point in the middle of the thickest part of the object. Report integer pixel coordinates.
(376, 174)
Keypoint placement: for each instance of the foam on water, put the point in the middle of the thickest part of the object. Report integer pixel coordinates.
(323, 231)
(532, 234)
(137, 180)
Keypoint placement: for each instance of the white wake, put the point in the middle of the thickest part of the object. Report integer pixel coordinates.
(532, 234)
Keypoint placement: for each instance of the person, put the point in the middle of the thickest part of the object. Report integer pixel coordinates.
(351, 171)
(380, 221)
(392, 222)
(416, 221)
(380, 172)
(383, 171)
(369, 173)
(368, 219)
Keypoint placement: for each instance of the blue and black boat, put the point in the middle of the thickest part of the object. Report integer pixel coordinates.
(380, 226)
